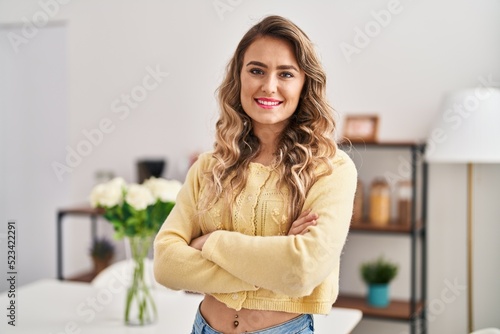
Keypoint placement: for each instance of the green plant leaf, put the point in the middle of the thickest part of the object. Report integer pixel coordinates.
(379, 271)
(128, 221)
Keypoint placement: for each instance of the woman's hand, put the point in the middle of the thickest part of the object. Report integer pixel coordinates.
(198, 243)
(299, 226)
(302, 224)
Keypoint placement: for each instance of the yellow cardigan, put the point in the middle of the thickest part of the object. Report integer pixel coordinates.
(249, 261)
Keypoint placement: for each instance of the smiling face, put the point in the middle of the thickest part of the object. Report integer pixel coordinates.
(271, 83)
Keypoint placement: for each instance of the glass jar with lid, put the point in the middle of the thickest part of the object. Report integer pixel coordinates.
(404, 202)
(380, 202)
(357, 215)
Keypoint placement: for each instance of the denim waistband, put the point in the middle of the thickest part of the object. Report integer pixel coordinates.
(303, 324)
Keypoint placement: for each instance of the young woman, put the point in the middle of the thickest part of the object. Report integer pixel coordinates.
(261, 221)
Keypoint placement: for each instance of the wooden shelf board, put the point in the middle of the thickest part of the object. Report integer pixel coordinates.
(82, 210)
(391, 228)
(83, 277)
(390, 144)
(397, 309)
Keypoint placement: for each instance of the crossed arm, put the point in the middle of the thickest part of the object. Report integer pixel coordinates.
(226, 261)
(300, 226)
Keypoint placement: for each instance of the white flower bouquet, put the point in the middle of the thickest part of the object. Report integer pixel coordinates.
(135, 209)
(137, 212)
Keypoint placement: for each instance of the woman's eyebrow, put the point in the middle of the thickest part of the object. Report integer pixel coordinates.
(280, 67)
(287, 67)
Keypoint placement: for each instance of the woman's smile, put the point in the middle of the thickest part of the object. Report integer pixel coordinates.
(268, 103)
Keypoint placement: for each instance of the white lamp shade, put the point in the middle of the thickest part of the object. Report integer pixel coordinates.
(468, 130)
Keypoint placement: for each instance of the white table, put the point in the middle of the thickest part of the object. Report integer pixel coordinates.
(61, 307)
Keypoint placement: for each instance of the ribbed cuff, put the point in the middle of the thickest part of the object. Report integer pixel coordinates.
(210, 244)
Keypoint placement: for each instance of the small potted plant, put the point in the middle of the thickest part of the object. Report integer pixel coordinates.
(102, 252)
(377, 274)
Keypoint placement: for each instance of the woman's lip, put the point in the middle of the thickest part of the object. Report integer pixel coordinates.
(268, 103)
(267, 99)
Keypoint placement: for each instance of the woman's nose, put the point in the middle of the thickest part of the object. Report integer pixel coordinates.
(269, 85)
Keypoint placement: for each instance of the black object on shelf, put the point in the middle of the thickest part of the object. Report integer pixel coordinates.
(148, 168)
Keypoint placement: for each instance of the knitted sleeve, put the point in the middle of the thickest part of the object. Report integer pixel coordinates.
(294, 265)
(176, 264)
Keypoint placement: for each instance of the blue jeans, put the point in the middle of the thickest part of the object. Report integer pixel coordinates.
(303, 324)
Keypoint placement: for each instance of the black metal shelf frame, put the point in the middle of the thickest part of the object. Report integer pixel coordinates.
(416, 232)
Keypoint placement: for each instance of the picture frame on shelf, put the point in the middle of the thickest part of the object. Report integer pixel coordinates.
(361, 128)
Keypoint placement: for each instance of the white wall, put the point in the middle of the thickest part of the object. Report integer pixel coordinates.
(33, 124)
(427, 49)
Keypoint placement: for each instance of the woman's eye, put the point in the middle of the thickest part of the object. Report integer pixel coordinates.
(287, 75)
(256, 71)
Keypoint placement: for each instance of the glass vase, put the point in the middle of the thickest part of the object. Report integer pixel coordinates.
(140, 307)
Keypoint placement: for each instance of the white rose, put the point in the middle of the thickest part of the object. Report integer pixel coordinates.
(118, 182)
(139, 197)
(106, 194)
(164, 190)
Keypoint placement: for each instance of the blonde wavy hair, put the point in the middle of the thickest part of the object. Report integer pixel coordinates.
(304, 144)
